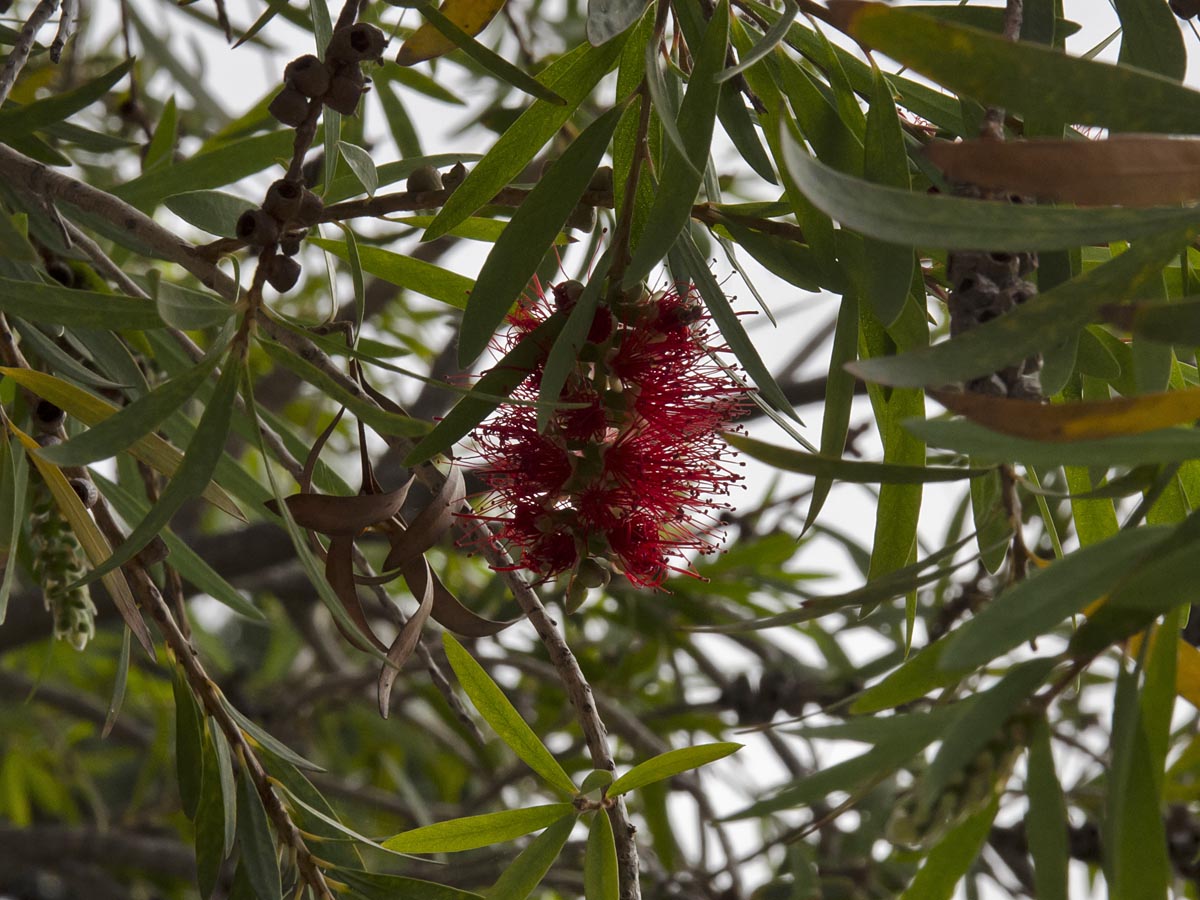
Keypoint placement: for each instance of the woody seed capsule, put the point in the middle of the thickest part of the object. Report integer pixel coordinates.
(283, 200)
(356, 43)
(345, 91)
(311, 209)
(308, 75)
(282, 273)
(257, 228)
(424, 179)
(290, 106)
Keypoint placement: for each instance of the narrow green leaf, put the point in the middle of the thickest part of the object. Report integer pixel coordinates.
(499, 381)
(375, 886)
(58, 107)
(211, 169)
(213, 211)
(1035, 605)
(361, 165)
(257, 845)
(414, 274)
(985, 714)
(792, 262)
(527, 871)
(194, 474)
(161, 149)
(531, 232)
(91, 410)
(190, 310)
(381, 420)
(13, 488)
(665, 105)
(573, 77)
(1134, 836)
(920, 674)
(669, 764)
(768, 42)
(228, 783)
(119, 683)
(210, 823)
(188, 743)
(114, 434)
(680, 174)
(600, 875)
(888, 270)
(730, 325)
(1041, 323)
(959, 223)
(895, 740)
(1023, 77)
(498, 712)
(55, 304)
(472, 832)
(184, 559)
(338, 829)
(564, 354)
(855, 471)
(1151, 39)
(954, 854)
(1046, 824)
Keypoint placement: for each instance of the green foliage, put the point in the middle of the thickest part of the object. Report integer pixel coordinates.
(193, 351)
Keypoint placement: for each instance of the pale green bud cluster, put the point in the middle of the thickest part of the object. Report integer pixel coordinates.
(57, 565)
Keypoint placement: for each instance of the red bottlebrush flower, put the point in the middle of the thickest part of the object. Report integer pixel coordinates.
(634, 471)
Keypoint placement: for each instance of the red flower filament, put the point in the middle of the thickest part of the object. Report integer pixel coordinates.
(634, 472)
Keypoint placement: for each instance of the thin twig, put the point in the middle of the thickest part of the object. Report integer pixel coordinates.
(24, 46)
(68, 21)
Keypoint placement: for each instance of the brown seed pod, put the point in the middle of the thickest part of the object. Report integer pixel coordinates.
(283, 200)
(345, 91)
(424, 179)
(308, 75)
(49, 416)
(289, 244)
(257, 228)
(1185, 9)
(356, 43)
(454, 176)
(85, 490)
(602, 180)
(282, 273)
(289, 106)
(582, 218)
(311, 209)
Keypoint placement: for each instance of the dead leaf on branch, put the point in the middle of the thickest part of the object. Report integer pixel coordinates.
(1128, 170)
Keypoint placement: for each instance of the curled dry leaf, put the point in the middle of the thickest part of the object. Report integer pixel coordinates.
(339, 572)
(423, 584)
(1127, 170)
(345, 516)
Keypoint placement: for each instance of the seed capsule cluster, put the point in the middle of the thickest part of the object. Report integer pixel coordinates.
(336, 81)
(287, 212)
(920, 821)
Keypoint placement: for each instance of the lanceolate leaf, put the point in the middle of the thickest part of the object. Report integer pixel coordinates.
(1046, 823)
(54, 304)
(960, 223)
(572, 77)
(954, 854)
(189, 739)
(59, 107)
(504, 718)
(669, 764)
(256, 842)
(194, 473)
(857, 471)
(407, 272)
(1046, 597)
(216, 212)
(527, 870)
(600, 874)
(530, 234)
(1022, 77)
(375, 886)
(142, 416)
(680, 177)
(608, 18)
(498, 382)
(478, 831)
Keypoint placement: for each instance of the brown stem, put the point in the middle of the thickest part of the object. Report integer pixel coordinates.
(19, 54)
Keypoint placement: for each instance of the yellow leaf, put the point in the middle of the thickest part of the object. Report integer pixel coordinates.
(89, 409)
(472, 16)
